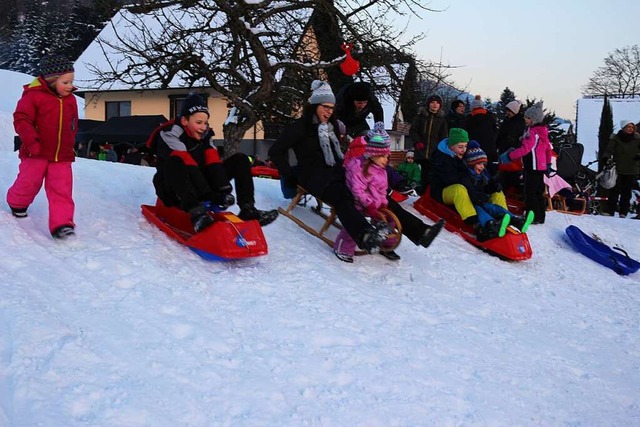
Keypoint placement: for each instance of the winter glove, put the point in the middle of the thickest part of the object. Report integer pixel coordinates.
(371, 211)
(504, 158)
(419, 146)
(493, 186)
(550, 171)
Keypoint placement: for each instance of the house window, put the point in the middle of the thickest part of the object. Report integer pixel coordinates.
(117, 109)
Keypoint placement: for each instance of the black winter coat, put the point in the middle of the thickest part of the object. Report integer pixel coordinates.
(510, 132)
(356, 121)
(448, 169)
(312, 172)
(482, 128)
(429, 129)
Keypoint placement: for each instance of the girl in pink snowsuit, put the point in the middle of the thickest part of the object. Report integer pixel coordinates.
(46, 120)
(366, 177)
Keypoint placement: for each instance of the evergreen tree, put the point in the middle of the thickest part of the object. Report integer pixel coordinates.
(410, 95)
(606, 125)
(506, 97)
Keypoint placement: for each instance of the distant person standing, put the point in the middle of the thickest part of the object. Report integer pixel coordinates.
(624, 148)
(46, 119)
(509, 135)
(429, 127)
(356, 102)
(456, 117)
(481, 125)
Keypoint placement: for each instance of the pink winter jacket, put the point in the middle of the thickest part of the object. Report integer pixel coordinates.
(370, 190)
(535, 140)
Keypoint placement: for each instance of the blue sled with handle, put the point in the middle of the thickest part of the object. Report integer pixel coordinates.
(614, 258)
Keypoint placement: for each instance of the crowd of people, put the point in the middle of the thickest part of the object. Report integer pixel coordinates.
(465, 160)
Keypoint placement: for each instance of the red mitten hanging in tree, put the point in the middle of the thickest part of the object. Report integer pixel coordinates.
(350, 66)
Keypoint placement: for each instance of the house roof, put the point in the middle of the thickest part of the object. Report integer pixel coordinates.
(133, 130)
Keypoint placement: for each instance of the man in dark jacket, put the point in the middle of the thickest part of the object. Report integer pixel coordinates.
(509, 136)
(429, 127)
(481, 125)
(355, 103)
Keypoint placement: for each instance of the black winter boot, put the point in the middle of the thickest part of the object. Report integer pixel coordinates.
(374, 234)
(200, 218)
(431, 233)
(63, 232)
(19, 212)
(489, 231)
(248, 212)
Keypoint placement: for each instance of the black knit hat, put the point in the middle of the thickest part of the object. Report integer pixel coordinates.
(52, 67)
(192, 104)
(360, 91)
(436, 98)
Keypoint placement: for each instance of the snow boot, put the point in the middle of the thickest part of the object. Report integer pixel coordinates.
(522, 222)
(343, 257)
(390, 255)
(488, 232)
(200, 218)
(248, 213)
(504, 223)
(19, 212)
(431, 233)
(374, 235)
(63, 232)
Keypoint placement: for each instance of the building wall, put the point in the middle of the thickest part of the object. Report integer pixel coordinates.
(150, 102)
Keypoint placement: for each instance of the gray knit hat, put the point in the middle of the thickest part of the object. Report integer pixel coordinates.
(321, 93)
(477, 102)
(535, 113)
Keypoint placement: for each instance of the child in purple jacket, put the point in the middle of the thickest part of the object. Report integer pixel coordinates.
(366, 177)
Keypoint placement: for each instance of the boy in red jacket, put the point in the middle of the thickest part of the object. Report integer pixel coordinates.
(46, 120)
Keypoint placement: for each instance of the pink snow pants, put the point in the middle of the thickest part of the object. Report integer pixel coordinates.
(58, 185)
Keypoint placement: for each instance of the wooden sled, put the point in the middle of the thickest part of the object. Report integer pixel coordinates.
(330, 220)
(558, 203)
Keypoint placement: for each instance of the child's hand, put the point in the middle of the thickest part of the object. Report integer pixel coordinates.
(371, 211)
(504, 157)
(33, 149)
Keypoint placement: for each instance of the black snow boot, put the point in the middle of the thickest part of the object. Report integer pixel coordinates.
(489, 231)
(200, 218)
(390, 255)
(63, 232)
(249, 212)
(431, 233)
(19, 212)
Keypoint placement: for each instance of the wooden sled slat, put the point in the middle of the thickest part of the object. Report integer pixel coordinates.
(330, 220)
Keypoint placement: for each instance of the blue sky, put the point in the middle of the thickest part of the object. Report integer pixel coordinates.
(543, 49)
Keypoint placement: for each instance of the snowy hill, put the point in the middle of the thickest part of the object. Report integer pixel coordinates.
(124, 327)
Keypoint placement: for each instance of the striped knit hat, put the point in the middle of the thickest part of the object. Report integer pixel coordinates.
(475, 155)
(52, 67)
(378, 144)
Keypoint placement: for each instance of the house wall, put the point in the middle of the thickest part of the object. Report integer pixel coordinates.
(150, 102)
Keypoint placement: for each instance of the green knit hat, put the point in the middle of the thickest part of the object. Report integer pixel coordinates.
(457, 135)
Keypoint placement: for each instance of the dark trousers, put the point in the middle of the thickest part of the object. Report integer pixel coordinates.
(339, 196)
(534, 194)
(620, 194)
(186, 186)
(425, 170)
(412, 226)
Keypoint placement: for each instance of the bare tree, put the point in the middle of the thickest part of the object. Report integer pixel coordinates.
(620, 75)
(260, 55)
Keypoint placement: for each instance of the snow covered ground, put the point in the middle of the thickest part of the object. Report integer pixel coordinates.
(124, 327)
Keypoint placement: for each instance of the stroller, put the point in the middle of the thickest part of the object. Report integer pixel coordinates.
(587, 183)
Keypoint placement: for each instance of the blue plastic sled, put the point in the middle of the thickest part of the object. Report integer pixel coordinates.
(619, 262)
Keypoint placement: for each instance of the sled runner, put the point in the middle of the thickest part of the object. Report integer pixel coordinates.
(330, 220)
(229, 238)
(513, 246)
(620, 262)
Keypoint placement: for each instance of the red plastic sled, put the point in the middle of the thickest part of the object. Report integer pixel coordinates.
(265, 172)
(229, 238)
(513, 246)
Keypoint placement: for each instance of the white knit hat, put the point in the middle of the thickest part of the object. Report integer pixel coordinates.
(514, 106)
(624, 123)
(321, 93)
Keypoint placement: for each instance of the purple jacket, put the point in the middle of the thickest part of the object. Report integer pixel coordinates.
(370, 190)
(535, 140)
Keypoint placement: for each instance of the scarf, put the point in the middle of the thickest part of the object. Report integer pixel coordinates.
(329, 140)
